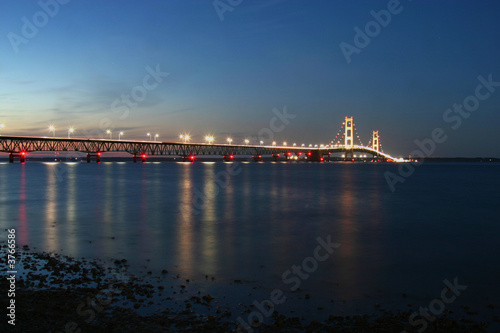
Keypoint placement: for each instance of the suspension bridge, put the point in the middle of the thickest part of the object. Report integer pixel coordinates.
(18, 147)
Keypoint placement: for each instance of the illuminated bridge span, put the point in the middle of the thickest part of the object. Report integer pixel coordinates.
(21, 146)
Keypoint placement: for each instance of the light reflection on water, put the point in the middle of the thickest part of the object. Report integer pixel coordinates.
(187, 218)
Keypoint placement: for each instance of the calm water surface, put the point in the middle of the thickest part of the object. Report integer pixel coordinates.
(192, 219)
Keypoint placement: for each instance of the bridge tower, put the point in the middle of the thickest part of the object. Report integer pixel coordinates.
(349, 137)
(349, 132)
(375, 141)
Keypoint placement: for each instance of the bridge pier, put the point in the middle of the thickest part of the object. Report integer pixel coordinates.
(228, 158)
(349, 152)
(257, 158)
(315, 156)
(97, 157)
(21, 155)
(190, 158)
(143, 158)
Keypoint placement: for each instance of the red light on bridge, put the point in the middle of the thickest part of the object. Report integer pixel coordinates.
(289, 154)
(191, 157)
(278, 155)
(260, 156)
(309, 154)
(99, 154)
(300, 153)
(231, 156)
(322, 159)
(23, 153)
(143, 155)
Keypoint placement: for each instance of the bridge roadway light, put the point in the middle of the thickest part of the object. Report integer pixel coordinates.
(110, 133)
(209, 139)
(284, 144)
(294, 144)
(52, 129)
(247, 141)
(261, 142)
(310, 146)
(149, 134)
(229, 140)
(119, 135)
(274, 143)
(1, 126)
(303, 145)
(70, 130)
(157, 136)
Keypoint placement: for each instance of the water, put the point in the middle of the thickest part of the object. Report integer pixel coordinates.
(254, 221)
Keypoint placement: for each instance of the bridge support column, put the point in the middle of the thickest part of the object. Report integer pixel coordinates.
(351, 153)
(22, 157)
(257, 158)
(228, 158)
(315, 156)
(97, 157)
(188, 158)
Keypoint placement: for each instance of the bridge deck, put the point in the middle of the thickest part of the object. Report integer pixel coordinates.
(26, 144)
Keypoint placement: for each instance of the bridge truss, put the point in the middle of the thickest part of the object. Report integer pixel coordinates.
(21, 145)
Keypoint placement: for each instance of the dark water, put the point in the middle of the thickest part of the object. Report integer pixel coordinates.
(198, 219)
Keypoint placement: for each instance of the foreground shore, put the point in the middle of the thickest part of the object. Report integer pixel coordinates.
(61, 294)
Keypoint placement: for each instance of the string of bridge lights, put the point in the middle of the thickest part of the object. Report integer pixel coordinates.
(210, 139)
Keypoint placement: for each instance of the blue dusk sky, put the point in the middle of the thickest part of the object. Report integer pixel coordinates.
(222, 67)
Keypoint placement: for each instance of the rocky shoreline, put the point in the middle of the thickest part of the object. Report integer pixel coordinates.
(57, 293)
